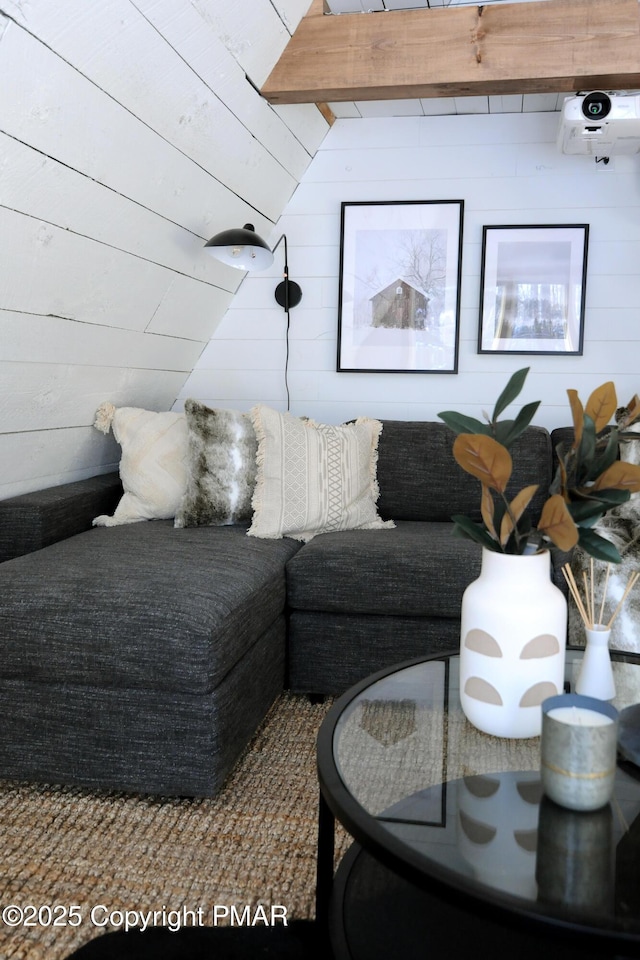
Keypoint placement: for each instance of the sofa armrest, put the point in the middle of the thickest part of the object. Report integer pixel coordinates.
(31, 521)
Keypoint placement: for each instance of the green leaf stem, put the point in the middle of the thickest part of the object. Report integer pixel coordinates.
(510, 392)
(609, 456)
(598, 505)
(464, 527)
(459, 423)
(586, 451)
(597, 547)
(509, 430)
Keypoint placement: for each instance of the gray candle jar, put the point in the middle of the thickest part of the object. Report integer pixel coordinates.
(578, 759)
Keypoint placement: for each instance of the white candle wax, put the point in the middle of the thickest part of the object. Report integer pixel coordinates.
(579, 716)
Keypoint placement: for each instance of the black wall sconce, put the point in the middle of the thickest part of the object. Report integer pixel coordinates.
(245, 250)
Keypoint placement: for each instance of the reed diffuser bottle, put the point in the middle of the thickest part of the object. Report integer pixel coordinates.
(595, 678)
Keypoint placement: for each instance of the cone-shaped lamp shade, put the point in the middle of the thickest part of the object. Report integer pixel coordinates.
(241, 248)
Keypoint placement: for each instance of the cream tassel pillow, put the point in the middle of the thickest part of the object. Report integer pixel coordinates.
(314, 478)
(153, 468)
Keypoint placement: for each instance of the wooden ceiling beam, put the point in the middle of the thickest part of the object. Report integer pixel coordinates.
(546, 46)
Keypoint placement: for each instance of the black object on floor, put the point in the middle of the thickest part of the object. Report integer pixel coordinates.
(299, 940)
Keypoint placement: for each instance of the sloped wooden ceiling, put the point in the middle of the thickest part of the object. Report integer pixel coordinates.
(539, 47)
(130, 132)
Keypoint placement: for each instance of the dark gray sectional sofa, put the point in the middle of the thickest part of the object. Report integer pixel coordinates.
(143, 657)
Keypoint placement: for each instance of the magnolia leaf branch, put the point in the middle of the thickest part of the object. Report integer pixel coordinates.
(589, 480)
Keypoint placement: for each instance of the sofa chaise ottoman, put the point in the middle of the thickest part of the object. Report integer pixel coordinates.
(139, 657)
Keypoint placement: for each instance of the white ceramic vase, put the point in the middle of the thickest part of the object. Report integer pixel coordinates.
(595, 678)
(512, 644)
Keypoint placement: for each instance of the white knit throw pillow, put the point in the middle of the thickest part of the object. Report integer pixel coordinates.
(314, 478)
(153, 468)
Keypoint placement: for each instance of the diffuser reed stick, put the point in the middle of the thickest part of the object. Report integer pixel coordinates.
(604, 593)
(575, 593)
(586, 606)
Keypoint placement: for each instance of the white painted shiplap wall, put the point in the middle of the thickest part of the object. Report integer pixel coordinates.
(130, 132)
(508, 171)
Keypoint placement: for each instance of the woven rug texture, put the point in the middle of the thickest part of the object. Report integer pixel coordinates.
(255, 843)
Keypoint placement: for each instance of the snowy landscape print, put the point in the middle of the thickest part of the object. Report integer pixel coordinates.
(399, 288)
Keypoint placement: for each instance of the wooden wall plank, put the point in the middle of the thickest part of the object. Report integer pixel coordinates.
(189, 309)
(54, 396)
(46, 458)
(291, 12)
(48, 270)
(30, 338)
(71, 120)
(243, 27)
(194, 39)
(228, 388)
(117, 49)
(44, 188)
(311, 123)
(358, 166)
(260, 354)
(129, 134)
(507, 48)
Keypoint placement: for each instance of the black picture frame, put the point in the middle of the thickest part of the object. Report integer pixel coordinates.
(533, 282)
(400, 278)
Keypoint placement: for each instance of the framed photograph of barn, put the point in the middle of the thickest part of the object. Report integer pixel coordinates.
(532, 289)
(400, 270)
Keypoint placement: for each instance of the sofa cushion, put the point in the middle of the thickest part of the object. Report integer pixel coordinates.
(221, 467)
(153, 466)
(419, 569)
(312, 477)
(144, 606)
(420, 480)
(353, 646)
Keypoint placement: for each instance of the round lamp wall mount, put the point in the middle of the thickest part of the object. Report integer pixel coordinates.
(244, 249)
(288, 293)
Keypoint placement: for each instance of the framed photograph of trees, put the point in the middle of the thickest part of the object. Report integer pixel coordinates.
(532, 289)
(400, 271)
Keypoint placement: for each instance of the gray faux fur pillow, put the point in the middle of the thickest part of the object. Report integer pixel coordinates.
(221, 467)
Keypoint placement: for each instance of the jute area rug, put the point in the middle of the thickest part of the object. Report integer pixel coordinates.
(254, 844)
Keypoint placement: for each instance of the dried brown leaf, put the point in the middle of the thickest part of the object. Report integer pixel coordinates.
(517, 507)
(487, 509)
(602, 404)
(577, 413)
(557, 524)
(619, 476)
(484, 458)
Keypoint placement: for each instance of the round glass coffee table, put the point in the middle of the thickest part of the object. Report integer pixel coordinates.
(456, 847)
